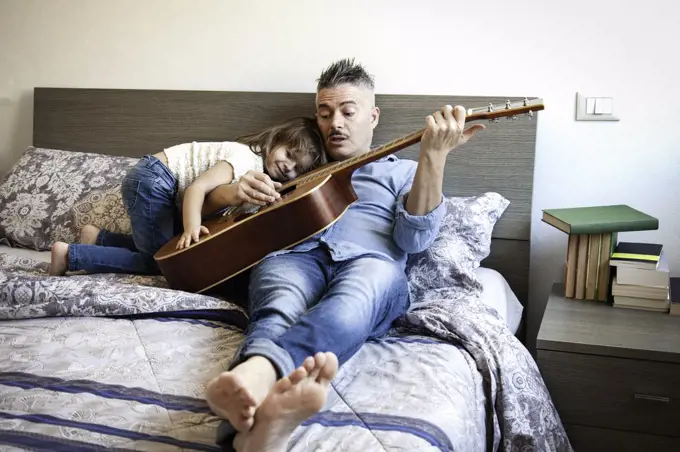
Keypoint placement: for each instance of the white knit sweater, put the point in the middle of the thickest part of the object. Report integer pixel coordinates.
(189, 160)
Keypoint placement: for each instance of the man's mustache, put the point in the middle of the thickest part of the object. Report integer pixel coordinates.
(337, 134)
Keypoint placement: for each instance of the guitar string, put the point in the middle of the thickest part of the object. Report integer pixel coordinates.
(341, 165)
(338, 166)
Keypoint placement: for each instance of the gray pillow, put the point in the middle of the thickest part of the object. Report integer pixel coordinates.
(463, 242)
(49, 195)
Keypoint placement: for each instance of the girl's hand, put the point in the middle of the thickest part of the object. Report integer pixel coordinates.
(191, 235)
(257, 188)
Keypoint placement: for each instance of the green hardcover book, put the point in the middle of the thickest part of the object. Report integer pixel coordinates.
(599, 219)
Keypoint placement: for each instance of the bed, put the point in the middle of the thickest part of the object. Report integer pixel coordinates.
(120, 362)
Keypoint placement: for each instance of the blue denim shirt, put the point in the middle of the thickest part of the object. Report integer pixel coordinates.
(377, 223)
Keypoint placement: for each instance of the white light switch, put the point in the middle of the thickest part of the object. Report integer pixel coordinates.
(603, 105)
(594, 108)
(590, 105)
(599, 106)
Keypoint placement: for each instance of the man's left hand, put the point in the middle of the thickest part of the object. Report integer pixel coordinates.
(446, 130)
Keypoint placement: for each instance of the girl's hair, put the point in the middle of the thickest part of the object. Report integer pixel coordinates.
(302, 137)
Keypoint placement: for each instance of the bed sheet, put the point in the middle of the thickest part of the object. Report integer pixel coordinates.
(140, 385)
(122, 361)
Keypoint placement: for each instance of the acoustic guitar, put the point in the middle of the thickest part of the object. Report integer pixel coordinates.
(244, 235)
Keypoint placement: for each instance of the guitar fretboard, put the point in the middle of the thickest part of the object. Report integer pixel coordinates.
(510, 110)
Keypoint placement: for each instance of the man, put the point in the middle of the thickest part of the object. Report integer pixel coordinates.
(312, 307)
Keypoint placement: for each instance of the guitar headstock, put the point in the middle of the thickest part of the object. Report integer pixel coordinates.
(511, 110)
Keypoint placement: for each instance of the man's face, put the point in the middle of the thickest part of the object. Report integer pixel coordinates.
(346, 116)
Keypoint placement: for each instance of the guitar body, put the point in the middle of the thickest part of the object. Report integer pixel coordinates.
(237, 242)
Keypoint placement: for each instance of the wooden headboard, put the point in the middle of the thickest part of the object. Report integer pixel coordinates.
(138, 122)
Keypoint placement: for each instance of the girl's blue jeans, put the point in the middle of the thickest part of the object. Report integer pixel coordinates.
(148, 191)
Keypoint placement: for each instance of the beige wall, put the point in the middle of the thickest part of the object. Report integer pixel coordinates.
(538, 48)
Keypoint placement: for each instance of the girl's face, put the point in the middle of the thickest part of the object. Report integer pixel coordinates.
(283, 164)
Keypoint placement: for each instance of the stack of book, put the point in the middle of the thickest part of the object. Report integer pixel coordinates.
(593, 236)
(642, 277)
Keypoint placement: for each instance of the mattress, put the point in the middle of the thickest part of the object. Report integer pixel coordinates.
(496, 291)
(122, 362)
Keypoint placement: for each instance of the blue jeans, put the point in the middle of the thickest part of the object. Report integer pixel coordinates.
(148, 191)
(304, 303)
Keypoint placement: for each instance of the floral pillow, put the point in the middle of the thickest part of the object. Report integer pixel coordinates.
(463, 242)
(49, 195)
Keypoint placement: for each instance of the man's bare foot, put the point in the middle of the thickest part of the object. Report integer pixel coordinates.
(88, 235)
(292, 400)
(59, 259)
(235, 395)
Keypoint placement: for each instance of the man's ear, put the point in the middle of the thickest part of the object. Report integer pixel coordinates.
(375, 116)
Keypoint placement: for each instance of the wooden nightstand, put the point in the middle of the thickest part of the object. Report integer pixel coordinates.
(613, 374)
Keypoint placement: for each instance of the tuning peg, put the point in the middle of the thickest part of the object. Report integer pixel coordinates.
(507, 104)
(490, 107)
(494, 120)
(511, 117)
(526, 101)
(530, 114)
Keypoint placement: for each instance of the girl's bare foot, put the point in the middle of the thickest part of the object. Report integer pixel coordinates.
(88, 235)
(292, 400)
(59, 261)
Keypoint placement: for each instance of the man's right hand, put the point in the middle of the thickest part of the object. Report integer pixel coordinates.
(257, 188)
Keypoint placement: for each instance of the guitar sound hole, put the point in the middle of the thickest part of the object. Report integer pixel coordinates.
(287, 190)
(243, 215)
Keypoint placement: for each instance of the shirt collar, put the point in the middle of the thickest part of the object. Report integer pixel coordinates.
(388, 158)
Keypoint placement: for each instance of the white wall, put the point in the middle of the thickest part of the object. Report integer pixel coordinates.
(495, 47)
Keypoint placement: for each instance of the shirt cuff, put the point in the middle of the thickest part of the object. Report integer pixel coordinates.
(422, 222)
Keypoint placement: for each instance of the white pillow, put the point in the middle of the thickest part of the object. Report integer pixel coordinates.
(497, 294)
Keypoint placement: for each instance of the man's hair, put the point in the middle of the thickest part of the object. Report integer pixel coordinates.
(344, 71)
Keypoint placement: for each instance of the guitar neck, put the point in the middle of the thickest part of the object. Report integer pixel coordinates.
(472, 114)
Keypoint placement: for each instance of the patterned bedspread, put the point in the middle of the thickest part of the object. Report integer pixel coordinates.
(121, 362)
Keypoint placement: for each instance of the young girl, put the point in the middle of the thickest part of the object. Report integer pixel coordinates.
(183, 175)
